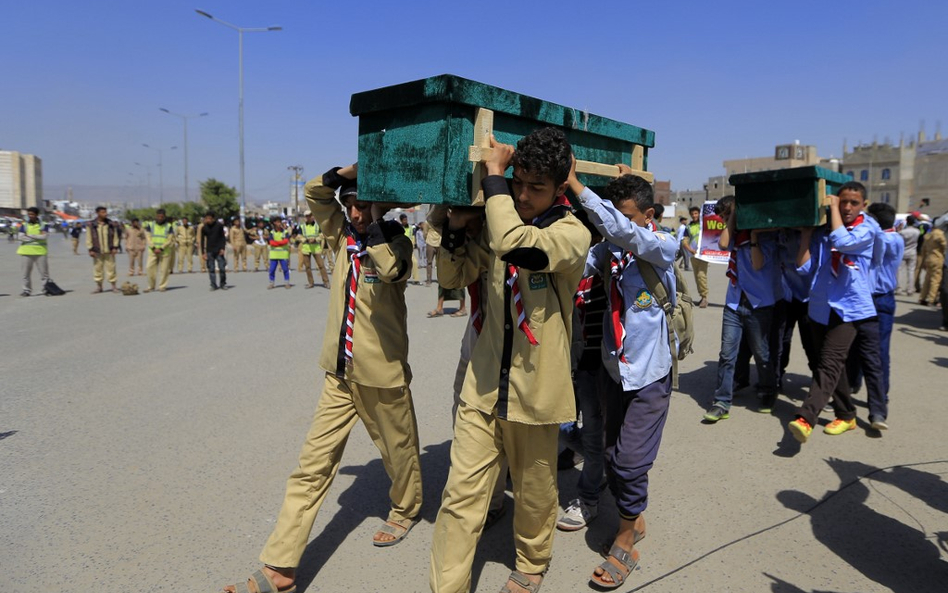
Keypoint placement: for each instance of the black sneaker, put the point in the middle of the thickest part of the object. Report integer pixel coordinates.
(878, 423)
(767, 402)
(213, 287)
(716, 412)
(224, 286)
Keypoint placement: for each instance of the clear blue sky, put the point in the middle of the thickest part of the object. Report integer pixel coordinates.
(82, 82)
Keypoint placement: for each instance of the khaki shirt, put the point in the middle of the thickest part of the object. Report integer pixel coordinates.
(135, 239)
(184, 235)
(380, 331)
(539, 385)
(103, 232)
(236, 237)
(933, 247)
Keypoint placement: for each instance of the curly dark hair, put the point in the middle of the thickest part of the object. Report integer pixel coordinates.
(630, 187)
(545, 152)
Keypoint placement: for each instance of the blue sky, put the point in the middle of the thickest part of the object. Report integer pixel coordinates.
(82, 81)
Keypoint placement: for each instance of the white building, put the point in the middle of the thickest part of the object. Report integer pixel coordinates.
(21, 181)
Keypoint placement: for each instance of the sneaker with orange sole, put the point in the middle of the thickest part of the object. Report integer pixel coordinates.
(840, 426)
(800, 429)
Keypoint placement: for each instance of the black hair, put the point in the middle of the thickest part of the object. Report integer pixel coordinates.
(100, 208)
(725, 204)
(135, 219)
(211, 214)
(883, 213)
(545, 152)
(659, 211)
(911, 220)
(34, 210)
(852, 186)
(630, 187)
(694, 209)
(402, 216)
(682, 219)
(160, 211)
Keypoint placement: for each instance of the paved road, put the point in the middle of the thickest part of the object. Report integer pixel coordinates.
(144, 444)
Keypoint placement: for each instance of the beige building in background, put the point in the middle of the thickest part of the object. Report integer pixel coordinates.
(887, 171)
(21, 181)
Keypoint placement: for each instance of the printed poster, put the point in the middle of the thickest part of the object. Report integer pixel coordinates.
(709, 248)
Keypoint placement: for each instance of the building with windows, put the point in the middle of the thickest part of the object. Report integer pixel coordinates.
(887, 171)
(21, 182)
(931, 177)
(785, 156)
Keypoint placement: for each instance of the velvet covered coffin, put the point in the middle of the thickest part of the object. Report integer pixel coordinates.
(415, 138)
(784, 198)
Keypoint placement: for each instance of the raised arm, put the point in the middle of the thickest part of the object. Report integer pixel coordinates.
(321, 196)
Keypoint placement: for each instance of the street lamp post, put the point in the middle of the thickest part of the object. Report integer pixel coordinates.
(240, 115)
(148, 170)
(161, 172)
(185, 119)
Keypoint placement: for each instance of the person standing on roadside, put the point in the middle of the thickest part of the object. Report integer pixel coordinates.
(214, 247)
(75, 232)
(279, 252)
(185, 237)
(238, 243)
(102, 241)
(32, 236)
(135, 243)
(160, 251)
(698, 265)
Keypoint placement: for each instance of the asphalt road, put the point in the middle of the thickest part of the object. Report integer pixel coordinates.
(145, 441)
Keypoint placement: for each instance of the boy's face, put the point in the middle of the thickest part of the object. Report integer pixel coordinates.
(850, 206)
(360, 214)
(695, 215)
(534, 194)
(633, 213)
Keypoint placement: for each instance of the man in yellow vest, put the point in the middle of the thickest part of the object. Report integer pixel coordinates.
(160, 249)
(185, 237)
(32, 236)
(279, 242)
(690, 244)
(102, 241)
(238, 242)
(312, 246)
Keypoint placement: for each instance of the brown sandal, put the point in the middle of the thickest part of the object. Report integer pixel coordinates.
(261, 584)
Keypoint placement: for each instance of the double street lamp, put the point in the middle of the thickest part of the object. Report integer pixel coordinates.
(240, 116)
(185, 119)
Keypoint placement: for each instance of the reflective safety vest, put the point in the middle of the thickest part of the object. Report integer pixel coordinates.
(159, 234)
(694, 230)
(35, 247)
(311, 231)
(281, 252)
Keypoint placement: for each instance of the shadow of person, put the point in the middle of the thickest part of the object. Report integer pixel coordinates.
(881, 548)
(7, 434)
(368, 496)
(940, 361)
(929, 488)
(782, 586)
(699, 383)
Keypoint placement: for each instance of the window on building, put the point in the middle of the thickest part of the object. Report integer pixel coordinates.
(886, 174)
(864, 175)
(885, 196)
(852, 174)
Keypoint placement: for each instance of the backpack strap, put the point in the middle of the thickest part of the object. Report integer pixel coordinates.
(658, 290)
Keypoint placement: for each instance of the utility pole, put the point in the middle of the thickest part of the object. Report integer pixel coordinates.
(297, 170)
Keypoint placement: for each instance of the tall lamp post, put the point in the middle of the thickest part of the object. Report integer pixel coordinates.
(297, 169)
(185, 119)
(161, 172)
(240, 116)
(148, 169)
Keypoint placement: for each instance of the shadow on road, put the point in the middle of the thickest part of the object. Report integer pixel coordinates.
(900, 557)
(9, 433)
(368, 495)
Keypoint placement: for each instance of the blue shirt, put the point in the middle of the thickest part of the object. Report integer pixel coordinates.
(885, 276)
(758, 285)
(647, 357)
(788, 245)
(849, 293)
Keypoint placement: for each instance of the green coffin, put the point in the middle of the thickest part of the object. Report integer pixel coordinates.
(414, 137)
(784, 198)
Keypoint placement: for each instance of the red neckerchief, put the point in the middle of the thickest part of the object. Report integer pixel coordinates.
(838, 257)
(355, 252)
(740, 239)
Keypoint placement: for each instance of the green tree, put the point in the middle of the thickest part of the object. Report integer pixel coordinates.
(220, 198)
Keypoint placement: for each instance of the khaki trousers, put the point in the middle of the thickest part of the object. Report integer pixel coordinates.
(480, 442)
(701, 276)
(260, 255)
(389, 418)
(159, 267)
(136, 256)
(307, 266)
(103, 267)
(933, 271)
(201, 259)
(240, 256)
(75, 245)
(186, 252)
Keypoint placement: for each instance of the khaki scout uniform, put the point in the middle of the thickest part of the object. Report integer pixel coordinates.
(933, 259)
(135, 243)
(185, 237)
(105, 238)
(372, 387)
(515, 394)
(312, 247)
(160, 237)
(260, 252)
(238, 243)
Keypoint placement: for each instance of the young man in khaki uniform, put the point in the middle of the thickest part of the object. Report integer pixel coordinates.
(160, 251)
(102, 241)
(260, 252)
(238, 243)
(367, 377)
(135, 243)
(185, 237)
(311, 246)
(933, 259)
(516, 393)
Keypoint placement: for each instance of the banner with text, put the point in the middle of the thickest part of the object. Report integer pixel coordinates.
(709, 248)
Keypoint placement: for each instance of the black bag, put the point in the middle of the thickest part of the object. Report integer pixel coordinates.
(52, 289)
